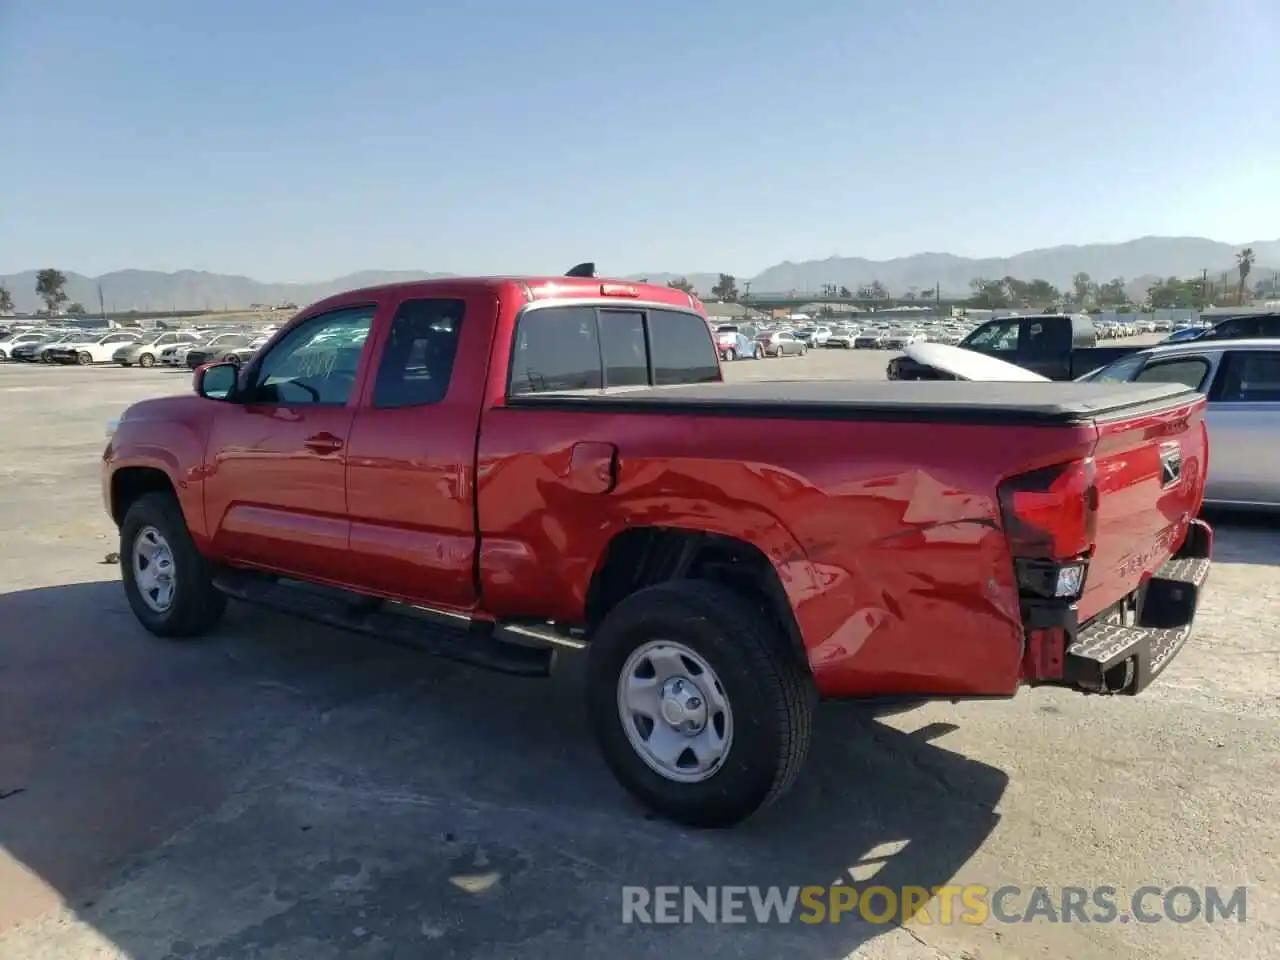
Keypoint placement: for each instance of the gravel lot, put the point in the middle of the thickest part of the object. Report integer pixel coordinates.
(287, 791)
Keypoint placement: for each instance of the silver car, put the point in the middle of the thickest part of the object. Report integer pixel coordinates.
(1242, 381)
(782, 343)
(176, 355)
(145, 352)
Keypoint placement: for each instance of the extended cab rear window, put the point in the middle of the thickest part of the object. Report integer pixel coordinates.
(585, 348)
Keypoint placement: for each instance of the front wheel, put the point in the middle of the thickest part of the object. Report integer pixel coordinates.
(84, 359)
(146, 360)
(699, 706)
(168, 583)
(731, 354)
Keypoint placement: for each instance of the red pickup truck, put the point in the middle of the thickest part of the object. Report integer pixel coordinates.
(494, 469)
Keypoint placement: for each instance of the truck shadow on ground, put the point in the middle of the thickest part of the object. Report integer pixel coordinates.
(286, 790)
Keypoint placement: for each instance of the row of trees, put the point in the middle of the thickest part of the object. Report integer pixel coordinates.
(1084, 294)
(50, 287)
(726, 288)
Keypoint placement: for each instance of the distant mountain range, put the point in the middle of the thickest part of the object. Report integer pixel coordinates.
(1139, 262)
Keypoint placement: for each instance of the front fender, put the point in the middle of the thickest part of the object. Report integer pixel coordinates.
(170, 441)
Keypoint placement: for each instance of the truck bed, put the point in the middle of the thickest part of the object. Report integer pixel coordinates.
(943, 401)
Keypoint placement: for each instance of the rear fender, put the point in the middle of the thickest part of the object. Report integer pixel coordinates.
(518, 577)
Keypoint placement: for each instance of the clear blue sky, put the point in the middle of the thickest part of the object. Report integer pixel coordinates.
(292, 140)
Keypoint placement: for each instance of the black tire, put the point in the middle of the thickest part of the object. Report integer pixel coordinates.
(731, 354)
(147, 360)
(197, 605)
(84, 359)
(126, 365)
(769, 690)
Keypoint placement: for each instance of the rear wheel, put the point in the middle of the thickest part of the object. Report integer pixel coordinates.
(168, 583)
(731, 354)
(700, 708)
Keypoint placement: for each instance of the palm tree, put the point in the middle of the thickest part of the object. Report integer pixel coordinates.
(1244, 263)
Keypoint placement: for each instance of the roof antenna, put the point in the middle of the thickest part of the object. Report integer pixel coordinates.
(584, 271)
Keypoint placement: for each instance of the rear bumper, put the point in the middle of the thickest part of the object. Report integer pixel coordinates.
(1112, 656)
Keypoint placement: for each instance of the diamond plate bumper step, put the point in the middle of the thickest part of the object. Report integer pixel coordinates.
(1114, 658)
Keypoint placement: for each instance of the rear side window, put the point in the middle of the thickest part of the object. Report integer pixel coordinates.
(1188, 371)
(622, 347)
(556, 348)
(681, 347)
(417, 361)
(1249, 377)
(580, 348)
(1241, 328)
(1046, 338)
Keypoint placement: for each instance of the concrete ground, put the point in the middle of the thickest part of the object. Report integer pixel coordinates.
(281, 790)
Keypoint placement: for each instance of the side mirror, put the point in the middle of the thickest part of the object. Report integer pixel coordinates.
(216, 381)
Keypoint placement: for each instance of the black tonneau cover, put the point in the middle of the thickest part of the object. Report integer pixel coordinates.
(952, 401)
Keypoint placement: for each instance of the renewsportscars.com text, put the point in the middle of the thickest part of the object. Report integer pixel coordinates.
(970, 905)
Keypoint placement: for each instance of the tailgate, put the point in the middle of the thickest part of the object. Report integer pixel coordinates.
(1150, 476)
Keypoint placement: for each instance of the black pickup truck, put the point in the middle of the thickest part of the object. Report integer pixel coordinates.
(1055, 345)
(1065, 346)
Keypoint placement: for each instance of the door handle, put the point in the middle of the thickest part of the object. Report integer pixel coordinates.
(323, 443)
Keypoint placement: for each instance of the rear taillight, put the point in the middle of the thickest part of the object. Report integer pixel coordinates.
(1050, 520)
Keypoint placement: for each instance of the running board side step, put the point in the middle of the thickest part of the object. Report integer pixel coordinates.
(453, 637)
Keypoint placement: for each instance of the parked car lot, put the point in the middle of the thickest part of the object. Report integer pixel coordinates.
(285, 790)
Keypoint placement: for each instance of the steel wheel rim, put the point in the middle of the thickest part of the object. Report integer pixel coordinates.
(674, 711)
(154, 569)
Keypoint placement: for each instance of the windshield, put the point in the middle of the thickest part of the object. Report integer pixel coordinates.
(1121, 371)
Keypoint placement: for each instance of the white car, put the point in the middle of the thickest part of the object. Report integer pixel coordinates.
(98, 349)
(26, 336)
(841, 338)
